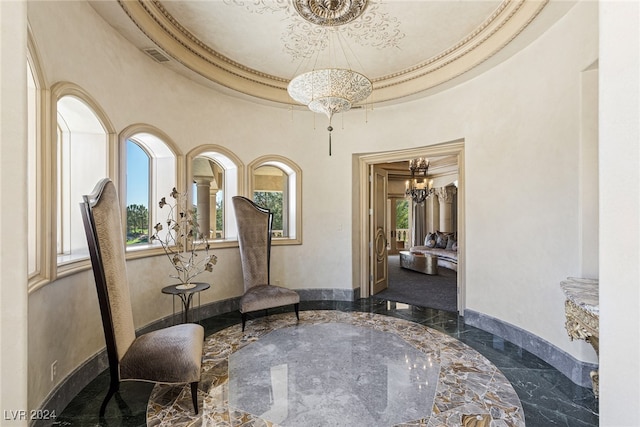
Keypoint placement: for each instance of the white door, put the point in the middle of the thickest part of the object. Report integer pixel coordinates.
(377, 230)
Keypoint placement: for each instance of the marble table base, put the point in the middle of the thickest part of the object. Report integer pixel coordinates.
(339, 369)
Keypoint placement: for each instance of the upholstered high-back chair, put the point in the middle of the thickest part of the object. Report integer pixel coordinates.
(254, 237)
(171, 355)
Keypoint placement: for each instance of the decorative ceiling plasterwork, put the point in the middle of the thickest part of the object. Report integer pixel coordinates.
(507, 21)
(310, 21)
(330, 12)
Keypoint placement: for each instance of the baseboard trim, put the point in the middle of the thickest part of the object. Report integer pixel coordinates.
(329, 294)
(574, 369)
(68, 388)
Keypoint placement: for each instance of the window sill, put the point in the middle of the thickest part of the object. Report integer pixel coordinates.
(142, 251)
(283, 241)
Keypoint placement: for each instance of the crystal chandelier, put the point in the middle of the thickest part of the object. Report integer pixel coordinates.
(419, 186)
(330, 90)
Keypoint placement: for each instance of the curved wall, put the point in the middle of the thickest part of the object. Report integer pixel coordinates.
(520, 122)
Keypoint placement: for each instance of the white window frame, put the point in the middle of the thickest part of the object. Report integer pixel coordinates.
(294, 199)
(66, 212)
(233, 183)
(39, 211)
(164, 173)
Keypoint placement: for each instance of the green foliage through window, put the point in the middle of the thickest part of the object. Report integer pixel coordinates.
(402, 214)
(137, 224)
(271, 200)
(219, 215)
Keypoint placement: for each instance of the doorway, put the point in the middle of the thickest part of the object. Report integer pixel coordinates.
(363, 200)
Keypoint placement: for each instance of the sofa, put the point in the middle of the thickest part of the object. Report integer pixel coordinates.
(442, 245)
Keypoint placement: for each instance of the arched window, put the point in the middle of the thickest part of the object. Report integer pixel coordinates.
(32, 161)
(34, 175)
(39, 181)
(216, 176)
(150, 165)
(138, 194)
(276, 184)
(83, 158)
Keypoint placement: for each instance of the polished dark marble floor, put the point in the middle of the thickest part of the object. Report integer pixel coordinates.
(547, 396)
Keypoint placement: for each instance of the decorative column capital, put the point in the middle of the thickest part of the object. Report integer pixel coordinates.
(203, 180)
(445, 194)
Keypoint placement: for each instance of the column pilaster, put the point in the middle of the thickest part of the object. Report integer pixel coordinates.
(203, 187)
(445, 197)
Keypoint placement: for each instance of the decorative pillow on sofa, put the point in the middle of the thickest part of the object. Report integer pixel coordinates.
(441, 240)
(454, 247)
(450, 243)
(429, 240)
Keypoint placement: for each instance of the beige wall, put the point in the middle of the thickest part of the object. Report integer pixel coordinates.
(520, 122)
(13, 225)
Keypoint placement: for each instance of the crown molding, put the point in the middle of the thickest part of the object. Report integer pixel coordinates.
(496, 32)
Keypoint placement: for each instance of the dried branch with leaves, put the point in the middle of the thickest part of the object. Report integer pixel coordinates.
(183, 243)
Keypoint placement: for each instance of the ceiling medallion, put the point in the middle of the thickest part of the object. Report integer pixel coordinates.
(330, 12)
(375, 28)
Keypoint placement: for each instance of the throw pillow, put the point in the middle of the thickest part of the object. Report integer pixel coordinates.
(430, 244)
(450, 243)
(427, 238)
(454, 247)
(441, 240)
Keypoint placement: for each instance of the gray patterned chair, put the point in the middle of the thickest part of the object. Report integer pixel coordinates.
(254, 237)
(172, 355)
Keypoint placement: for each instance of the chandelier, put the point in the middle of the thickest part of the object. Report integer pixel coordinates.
(419, 186)
(330, 90)
(334, 89)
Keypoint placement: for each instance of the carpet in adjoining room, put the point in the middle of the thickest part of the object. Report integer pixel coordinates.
(411, 287)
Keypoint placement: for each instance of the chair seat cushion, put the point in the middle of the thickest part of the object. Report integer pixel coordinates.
(172, 355)
(262, 297)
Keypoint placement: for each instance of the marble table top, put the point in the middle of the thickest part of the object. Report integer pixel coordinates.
(458, 385)
(583, 293)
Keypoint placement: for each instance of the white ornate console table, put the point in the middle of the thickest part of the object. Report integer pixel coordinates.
(583, 314)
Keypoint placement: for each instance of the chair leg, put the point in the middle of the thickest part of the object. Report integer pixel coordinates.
(244, 320)
(296, 307)
(194, 396)
(113, 388)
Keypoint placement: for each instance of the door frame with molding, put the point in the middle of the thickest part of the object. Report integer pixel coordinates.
(362, 163)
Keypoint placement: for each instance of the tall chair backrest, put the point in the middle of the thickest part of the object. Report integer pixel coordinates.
(254, 236)
(103, 227)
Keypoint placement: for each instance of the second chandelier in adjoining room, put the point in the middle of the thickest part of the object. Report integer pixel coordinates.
(419, 186)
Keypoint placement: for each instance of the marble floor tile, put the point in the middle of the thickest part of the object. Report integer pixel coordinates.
(336, 368)
(547, 397)
(333, 374)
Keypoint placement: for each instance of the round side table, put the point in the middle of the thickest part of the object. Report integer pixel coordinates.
(186, 296)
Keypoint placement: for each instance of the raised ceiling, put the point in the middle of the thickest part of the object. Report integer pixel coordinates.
(254, 47)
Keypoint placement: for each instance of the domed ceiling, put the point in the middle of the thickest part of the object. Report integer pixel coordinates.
(255, 47)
